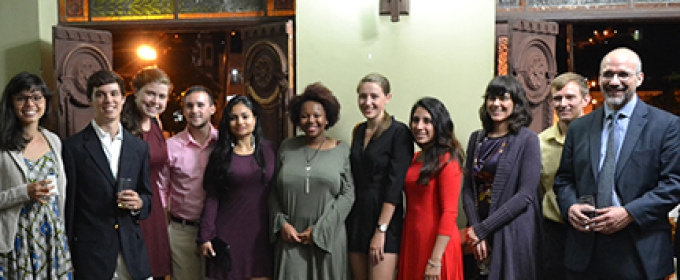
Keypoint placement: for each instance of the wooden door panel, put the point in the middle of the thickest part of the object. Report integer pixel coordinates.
(78, 53)
(268, 76)
(526, 50)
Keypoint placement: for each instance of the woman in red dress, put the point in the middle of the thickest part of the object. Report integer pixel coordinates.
(151, 89)
(430, 247)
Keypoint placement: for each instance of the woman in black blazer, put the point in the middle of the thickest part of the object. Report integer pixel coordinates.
(381, 152)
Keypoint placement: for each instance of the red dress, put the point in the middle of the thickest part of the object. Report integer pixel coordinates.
(430, 211)
(155, 227)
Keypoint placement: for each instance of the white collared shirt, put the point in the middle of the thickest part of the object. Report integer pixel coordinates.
(110, 145)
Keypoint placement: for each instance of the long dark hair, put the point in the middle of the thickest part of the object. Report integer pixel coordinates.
(11, 130)
(444, 142)
(218, 170)
(520, 116)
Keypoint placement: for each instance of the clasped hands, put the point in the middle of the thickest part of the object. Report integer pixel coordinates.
(290, 235)
(129, 199)
(479, 247)
(607, 220)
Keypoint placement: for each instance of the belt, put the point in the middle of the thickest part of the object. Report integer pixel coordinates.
(185, 222)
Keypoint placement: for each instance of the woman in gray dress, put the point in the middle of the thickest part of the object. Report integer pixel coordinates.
(313, 195)
(32, 182)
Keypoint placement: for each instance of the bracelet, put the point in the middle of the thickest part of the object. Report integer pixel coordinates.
(434, 264)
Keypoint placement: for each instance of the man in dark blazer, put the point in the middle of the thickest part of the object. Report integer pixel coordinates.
(629, 236)
(102, 214)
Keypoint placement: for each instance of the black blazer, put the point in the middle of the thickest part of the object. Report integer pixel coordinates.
(97, 229)
(647, 182)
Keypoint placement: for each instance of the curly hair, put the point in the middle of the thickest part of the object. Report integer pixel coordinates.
(316, 92)
(444, 141)
(520, 116)
(218, 170)
(11, 130)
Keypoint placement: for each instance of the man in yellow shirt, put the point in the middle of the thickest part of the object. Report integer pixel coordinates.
(570, 95)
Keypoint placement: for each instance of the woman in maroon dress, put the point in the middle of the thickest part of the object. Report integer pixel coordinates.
(237, 182)
(151, 89)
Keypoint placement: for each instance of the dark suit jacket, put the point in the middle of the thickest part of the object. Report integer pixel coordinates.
(97, 229)
(647, 183)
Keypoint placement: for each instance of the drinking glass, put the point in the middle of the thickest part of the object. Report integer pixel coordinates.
(589, 200)
(124, 184)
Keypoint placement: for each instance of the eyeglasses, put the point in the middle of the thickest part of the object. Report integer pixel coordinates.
(23, 99)
(623, 75)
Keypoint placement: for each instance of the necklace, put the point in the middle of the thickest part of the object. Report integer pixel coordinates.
(308, 164)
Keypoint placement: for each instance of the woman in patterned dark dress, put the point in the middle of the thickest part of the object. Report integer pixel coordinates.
(381, 151)
(32, 186)
(237, 182)
(151, 89)
(501, 190)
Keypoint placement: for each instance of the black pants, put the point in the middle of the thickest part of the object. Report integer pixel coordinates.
(554, 239)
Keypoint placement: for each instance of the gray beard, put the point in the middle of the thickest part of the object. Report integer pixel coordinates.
(617, 102)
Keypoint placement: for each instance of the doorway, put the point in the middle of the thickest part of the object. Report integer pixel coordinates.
(225, 59)
(581, 47)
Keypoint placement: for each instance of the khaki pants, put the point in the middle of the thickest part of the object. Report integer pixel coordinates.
(187, 263)
(122, 272)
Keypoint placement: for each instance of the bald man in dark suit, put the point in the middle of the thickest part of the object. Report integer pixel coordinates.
(635, 179)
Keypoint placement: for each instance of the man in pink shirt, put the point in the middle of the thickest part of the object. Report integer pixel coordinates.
(181, 182)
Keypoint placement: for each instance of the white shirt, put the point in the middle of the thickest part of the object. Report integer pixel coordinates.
(110, 145)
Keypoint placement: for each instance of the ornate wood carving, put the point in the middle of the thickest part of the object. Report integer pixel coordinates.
(78, 54)
(267, 71)
(530, 57)
(75, 8)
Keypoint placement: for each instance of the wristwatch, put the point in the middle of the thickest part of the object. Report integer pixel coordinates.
(382, 227)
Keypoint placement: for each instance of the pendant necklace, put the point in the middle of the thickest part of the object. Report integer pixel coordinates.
(308, 165)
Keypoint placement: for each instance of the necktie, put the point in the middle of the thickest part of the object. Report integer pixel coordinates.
(605, 184)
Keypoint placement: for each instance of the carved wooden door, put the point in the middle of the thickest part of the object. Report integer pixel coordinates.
(78, 53)
(268, 73)
(526, 50)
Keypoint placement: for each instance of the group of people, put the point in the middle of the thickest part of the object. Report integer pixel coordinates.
(588, 198)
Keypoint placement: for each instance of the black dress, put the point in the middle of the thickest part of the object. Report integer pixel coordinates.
(378, 172)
